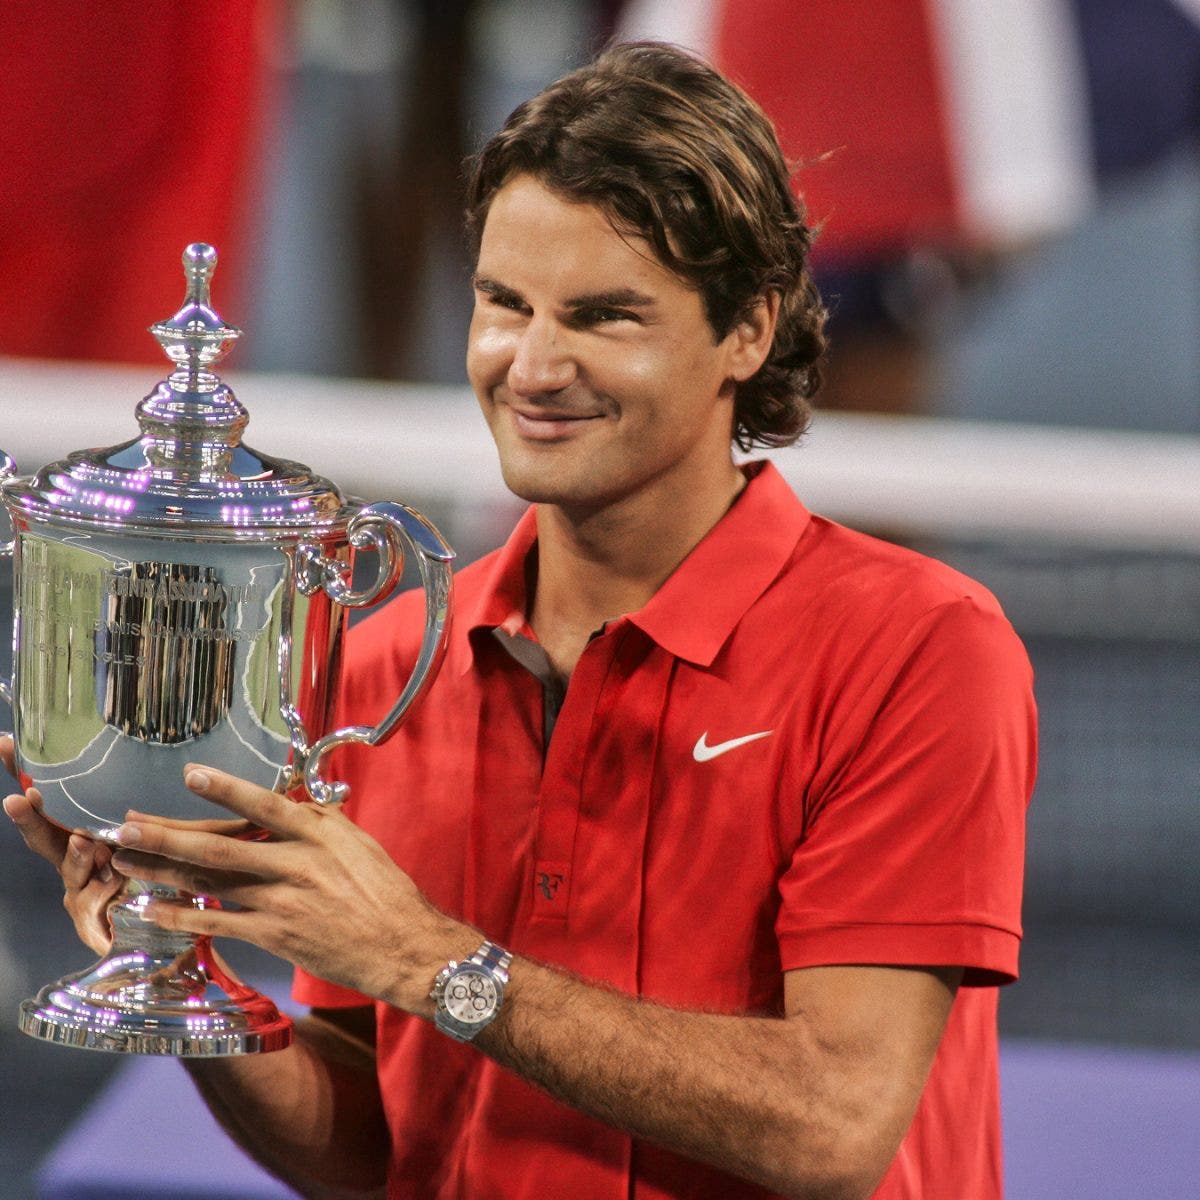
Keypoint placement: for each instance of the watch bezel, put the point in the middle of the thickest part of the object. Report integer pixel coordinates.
(492, 995)
(489, 962)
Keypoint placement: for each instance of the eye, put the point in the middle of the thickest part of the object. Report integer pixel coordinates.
(505, 300)
(602, 316)
(492, 296)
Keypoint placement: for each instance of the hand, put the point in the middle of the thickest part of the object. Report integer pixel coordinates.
(320, 892)
(84, 864)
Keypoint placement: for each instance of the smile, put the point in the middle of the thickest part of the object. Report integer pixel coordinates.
(547, 426)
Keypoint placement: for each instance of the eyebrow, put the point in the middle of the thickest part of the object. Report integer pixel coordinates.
(616, 298)
(624, 297)
(481, 283)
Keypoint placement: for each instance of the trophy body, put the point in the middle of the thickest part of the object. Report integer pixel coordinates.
(135, 657)
(182, 598)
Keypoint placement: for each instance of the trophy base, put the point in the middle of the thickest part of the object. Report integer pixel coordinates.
(155, 993)
(115, 1007)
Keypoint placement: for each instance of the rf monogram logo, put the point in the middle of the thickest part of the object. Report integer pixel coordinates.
(549, 883)
(551, 888)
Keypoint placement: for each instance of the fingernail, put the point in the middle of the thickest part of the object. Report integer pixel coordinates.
(106, 874)
(197, 780)
(129, 835)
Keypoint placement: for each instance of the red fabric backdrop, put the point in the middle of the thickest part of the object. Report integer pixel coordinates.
(130, 129)
(866, 93)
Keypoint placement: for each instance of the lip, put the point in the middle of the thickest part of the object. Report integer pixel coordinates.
(549, 425)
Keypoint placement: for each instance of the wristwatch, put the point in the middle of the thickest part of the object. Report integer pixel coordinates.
(468, 994)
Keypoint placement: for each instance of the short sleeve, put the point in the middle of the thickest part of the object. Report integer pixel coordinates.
(914, 837)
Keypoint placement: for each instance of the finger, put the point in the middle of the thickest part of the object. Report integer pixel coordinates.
(166, 872)
(147, 848)
(89, 910)
(8, 753)
(212, 922)
(81, 861)
(98, 893)
(227, 826)
(283, 817)
(245, 891)
(41, 836)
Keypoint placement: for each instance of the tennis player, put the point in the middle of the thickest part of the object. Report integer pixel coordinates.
(697, 871)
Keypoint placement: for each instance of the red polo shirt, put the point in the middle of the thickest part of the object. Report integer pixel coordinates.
(810, 747)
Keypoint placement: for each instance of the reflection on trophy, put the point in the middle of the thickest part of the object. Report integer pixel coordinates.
(177, 598)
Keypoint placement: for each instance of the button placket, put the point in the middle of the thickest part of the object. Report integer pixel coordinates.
(502, 812)
(592, 833)
(561, 793)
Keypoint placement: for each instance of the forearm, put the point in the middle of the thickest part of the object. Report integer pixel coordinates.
(309, 1114)
(783, 1111)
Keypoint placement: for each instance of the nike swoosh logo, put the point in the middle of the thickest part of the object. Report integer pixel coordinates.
(702, 751)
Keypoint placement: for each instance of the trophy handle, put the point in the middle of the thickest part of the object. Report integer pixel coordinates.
(8, 468)
(384, 527)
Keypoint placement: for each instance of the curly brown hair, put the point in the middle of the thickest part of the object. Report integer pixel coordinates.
(675, 153)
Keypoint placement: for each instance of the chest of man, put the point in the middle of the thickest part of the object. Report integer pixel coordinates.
(640, 845)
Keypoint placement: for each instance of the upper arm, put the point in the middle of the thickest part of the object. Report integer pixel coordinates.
(347, 1034)
(356, 1022)
(874, 1031)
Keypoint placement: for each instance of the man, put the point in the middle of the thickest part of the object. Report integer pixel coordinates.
(724, 801)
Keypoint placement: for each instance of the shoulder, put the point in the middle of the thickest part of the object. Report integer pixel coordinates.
(857, 588)
(853, 614)
(842, 566)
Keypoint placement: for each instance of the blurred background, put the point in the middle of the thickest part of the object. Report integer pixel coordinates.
(1009, 202)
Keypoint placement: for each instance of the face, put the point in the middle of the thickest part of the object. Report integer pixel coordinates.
(595, 365)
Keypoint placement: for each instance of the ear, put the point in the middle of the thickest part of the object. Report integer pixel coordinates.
(751, 338)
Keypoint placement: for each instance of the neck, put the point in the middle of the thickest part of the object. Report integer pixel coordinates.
(594, 566)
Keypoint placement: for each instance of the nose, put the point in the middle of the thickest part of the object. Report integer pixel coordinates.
(541, 360)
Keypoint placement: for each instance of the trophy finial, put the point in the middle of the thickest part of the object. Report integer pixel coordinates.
(196, 336)
(192, 422)
(199, 263)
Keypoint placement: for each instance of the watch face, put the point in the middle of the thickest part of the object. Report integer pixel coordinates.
(470, 997)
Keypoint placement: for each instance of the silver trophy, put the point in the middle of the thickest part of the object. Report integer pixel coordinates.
(181, 597)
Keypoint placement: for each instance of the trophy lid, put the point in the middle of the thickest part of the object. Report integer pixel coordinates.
(188, 475)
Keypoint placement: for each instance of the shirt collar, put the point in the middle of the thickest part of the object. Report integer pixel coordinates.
(501, 601)
(694, 612)
(692, 615)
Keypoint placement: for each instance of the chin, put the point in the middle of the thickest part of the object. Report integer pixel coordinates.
(540, 486)
(535, 477)
(536, 489)
(573, 476)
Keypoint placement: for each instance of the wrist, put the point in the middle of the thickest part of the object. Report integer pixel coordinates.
(469, 993)
(424, 954)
